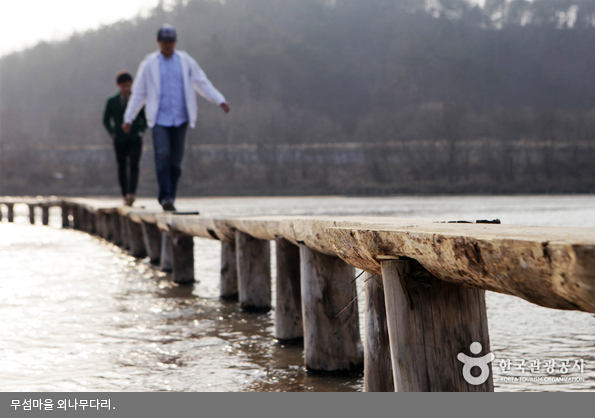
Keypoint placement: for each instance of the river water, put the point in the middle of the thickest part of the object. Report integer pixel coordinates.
(79, 314)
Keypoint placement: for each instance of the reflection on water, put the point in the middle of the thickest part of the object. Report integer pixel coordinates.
(81, 315)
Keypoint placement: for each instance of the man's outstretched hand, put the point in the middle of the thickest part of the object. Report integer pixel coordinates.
(126, 127)
(225, 107)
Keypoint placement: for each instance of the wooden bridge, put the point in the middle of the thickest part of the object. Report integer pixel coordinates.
(425, 279)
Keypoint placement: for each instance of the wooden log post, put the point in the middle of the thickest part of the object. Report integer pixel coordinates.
(438, 331)
(32, 214)
(115, 231)
(167, 252)
(92, 222)
(288, 307)
(329, 307)
(229, 272)
(97, 219)
(87, 220)
(152, 238)
(124, 231)
(254, 273)
(104, 227)
(10, 207)
(378, 372)
(77, 215)
(65, 215)
(45, 214)
(183, 257)
(135, 239)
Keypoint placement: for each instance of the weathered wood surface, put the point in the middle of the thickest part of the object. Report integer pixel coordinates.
(550, 266)
(329, 308)
(430, 323)
(378, 371)
(254, 272)
(288, 302)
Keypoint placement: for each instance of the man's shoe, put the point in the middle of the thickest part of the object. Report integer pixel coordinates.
(168, 206)
(129, 199)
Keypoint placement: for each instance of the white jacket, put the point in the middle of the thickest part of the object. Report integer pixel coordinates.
(147, 85)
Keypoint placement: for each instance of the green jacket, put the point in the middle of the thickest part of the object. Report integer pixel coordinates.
(113, 117)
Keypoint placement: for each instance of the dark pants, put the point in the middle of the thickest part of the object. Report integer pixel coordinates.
(168, 143)
(128, 156)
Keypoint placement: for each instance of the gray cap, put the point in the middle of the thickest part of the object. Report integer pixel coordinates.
(166, 33)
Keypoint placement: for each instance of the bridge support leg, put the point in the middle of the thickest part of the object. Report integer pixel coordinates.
(135, 239)
(329, 308)
(65, 215)
(430, 322)
(288, 307)
(152, 238)
(77, 221)
(32, 214)
(229, 272)
(378, 372)
(254, 272)
(10, 207)
(113, 225)
(124, 231)
(183, 257)
(167, 261)
(0, 213)
(45, 215)
(106, 230)
(88, 221)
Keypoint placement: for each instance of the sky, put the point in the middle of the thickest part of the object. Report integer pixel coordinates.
(24, 23)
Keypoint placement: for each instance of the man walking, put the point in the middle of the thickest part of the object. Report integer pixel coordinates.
(165, 82)
(128, 145)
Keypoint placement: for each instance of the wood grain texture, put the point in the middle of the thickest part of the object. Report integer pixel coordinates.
(549, 266)
(329, 309)
(378, 371)
(430, 322)
(254, 272)
(288, 307)
(229, 271)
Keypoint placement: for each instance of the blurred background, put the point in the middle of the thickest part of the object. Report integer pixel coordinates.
(328, 97)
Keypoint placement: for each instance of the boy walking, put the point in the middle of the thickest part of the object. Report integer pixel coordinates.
(128, 145)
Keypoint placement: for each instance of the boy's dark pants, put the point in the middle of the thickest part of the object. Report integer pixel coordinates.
(128, 155)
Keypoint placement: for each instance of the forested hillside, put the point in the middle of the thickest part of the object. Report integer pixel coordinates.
(345, 96)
